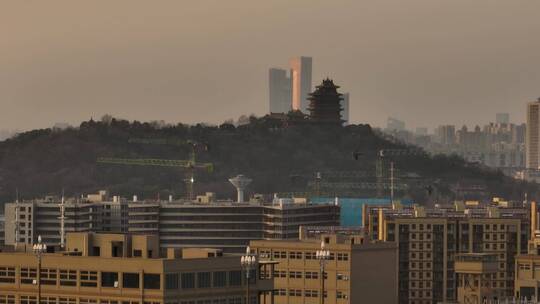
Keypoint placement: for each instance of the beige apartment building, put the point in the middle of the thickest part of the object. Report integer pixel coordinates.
(527, 283)
(476, 274)
(356, 271)
(127, 269)
(429, 240)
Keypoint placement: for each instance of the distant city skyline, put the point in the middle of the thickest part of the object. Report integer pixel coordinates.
(428, 63)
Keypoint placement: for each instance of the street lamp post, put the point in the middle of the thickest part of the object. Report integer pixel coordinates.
(322, 255)
(39, 249)
(248, 262)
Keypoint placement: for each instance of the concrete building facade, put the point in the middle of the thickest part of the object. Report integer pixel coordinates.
(127, 269)
(532, 140)
(226, 225)
(279, 91)
(301, 82)
(356, 272)
(430, 239)
(25, 220)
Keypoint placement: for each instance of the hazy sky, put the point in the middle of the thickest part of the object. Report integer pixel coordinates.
(424, 61)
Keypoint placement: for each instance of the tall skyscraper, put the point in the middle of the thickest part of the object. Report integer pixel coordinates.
(502, 118)
(279, 91)
(301, 82)
(345, 105)
(532, 143)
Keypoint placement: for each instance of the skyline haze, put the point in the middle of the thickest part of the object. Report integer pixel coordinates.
(426, 63)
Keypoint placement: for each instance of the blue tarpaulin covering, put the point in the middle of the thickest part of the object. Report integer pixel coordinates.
(351, 208)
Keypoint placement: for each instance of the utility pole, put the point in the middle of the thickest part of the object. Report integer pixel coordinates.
(39, 249)
(392, 183)
(248, 263)
(322, 255)
(62, 219)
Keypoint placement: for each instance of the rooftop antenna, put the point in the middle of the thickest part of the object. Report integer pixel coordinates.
(240, 182)
(62, 219)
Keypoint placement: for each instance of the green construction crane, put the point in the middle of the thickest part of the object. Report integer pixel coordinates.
(189, 165)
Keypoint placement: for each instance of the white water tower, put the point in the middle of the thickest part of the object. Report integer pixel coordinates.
(240, 182)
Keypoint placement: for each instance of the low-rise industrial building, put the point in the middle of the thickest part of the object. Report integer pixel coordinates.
(180, 224)
(227, 225)
(127, 269)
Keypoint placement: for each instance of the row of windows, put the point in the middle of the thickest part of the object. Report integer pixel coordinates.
(420, 255)
(420, 294)
(308, 293)
(307, 255)
(308, 275)
(7, 299)
(30, 299)
(493, 246)
(415, 265)
(420, 284)
(86, 278)
(420, 246)
(216, 279)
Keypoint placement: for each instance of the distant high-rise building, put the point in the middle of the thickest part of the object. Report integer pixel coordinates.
(532, 142)
(446, 134)
(345, 105)
(394, 124)
(279, 91)
(301, 82)
(502, 118)
(421, 131)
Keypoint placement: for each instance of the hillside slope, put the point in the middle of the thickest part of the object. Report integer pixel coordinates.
(46, 161)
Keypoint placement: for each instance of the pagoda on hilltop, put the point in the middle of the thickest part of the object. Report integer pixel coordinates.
(325, 104)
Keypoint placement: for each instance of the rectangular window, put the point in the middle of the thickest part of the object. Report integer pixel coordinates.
(151, 281)
(188, 280)
(89, 278)
(130, 280)
(7, 275)
(280, 292)
(48, 276)
(137, 253)
(28, 275)
(341, 295)
(295, 274)
(7, 299)
(220, 278)
(235, 278)
(280, 273)
(312, 275)
(310, 255)
(203, 280)
(68, 277)
(28, 300)
(295, 255)
(295, 292)
(109, 279)
(171, 281)
(343, 256)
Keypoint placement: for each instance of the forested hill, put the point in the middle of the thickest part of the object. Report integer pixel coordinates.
(278, 159)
